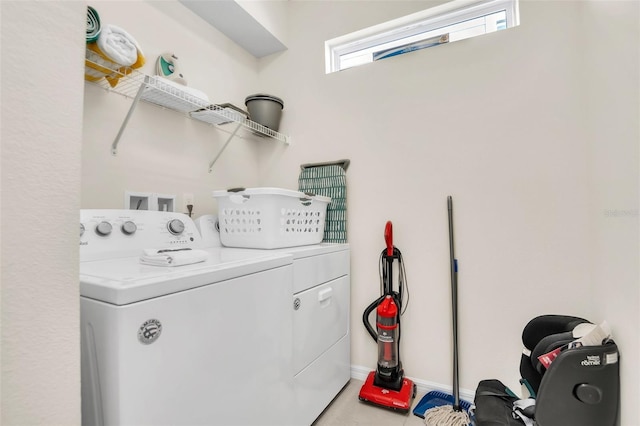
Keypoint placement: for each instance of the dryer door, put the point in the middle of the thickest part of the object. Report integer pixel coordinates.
(321, 318)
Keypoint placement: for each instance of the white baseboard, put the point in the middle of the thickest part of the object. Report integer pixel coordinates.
(359, 372)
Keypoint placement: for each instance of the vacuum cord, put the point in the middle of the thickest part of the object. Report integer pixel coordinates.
(403, 285)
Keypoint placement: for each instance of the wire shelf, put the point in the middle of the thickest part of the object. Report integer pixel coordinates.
(127, 83)
(155, 90)
(214, 114)
(166, 95)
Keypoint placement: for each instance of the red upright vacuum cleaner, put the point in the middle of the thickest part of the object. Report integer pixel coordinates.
(387, 387)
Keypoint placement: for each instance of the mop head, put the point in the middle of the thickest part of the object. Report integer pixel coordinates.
(445, 415)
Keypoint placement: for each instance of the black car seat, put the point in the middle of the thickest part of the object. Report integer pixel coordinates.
(579, 388)
(541, 335)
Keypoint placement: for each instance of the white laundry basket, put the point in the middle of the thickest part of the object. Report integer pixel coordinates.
(268, 218)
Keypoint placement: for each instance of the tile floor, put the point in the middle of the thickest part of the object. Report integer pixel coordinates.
(347, 410)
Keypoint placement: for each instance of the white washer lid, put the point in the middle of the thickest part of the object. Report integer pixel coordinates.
(126, 280)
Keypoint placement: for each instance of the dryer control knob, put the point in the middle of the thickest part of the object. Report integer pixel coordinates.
(104, 228)
(129, 228)
(175, 226)
(81, 230)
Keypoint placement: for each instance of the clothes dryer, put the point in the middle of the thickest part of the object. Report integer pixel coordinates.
(319, 309)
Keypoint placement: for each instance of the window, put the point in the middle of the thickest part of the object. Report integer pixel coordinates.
(446, 23)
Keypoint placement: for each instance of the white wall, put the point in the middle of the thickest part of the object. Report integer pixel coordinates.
(613, 59)
(42, 48)
(162, 151)
(529, 129)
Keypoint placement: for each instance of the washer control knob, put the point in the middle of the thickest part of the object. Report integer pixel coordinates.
(175, 226)
(104, 228)
(129, 228)
(81, 230)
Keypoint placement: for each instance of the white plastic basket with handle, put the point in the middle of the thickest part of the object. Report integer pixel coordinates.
(268, 218)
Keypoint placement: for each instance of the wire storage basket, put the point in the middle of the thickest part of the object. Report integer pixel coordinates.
(268, 218)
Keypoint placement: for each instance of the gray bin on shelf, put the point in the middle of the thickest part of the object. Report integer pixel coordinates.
(265, 109)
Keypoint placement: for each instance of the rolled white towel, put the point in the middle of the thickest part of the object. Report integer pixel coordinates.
(114, 55)
(172, 256)
(118, 45)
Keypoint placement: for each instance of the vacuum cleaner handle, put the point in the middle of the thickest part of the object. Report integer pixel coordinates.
(388, 238)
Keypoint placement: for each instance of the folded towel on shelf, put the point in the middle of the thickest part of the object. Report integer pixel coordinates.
(178, 89)
(93, 25)
(114, 55)
(172, 256)
(167, 93)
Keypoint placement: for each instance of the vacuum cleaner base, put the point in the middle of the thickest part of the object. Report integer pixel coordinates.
(388, 398)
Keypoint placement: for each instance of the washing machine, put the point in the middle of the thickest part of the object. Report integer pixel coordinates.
(208, 343)
(320, 307)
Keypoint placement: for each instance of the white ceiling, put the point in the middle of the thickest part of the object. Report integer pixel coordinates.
(236, 23)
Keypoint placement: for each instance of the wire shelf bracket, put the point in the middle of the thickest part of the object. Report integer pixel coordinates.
(151, 89)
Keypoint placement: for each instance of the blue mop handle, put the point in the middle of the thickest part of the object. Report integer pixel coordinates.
(454, 306)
